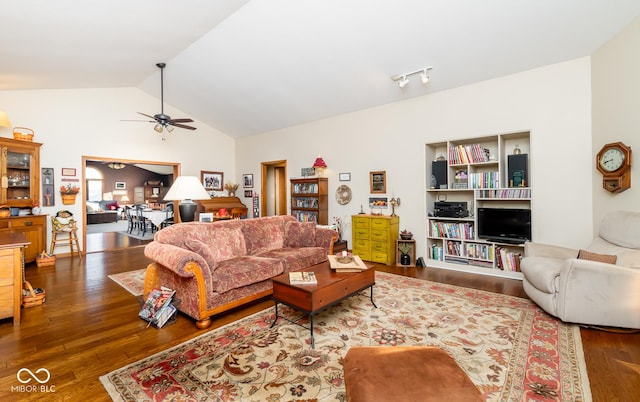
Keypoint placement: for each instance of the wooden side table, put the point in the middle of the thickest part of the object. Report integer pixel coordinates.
(11, 263)
(412, 252)
(339, 246)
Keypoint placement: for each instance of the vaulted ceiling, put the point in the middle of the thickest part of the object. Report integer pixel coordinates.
(250, 66)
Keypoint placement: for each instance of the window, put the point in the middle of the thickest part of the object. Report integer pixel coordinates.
(94, 184)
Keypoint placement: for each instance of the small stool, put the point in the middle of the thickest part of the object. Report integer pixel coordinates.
(63, 223)
(405, 373)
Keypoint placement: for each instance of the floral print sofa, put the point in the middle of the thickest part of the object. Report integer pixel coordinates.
(218, 266)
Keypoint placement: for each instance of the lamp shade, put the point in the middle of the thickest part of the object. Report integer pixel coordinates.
(4, 119)
(319, 163)
(187, 188)
(124, 198)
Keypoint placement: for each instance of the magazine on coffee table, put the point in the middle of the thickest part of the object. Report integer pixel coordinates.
(353, 263)
(302, 278)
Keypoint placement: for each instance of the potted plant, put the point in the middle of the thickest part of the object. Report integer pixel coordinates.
(231, 188)
(69, 193)
(405, 248)
(406, 235)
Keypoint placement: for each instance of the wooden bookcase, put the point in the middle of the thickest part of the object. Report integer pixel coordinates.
(478, 173)
(309, 202)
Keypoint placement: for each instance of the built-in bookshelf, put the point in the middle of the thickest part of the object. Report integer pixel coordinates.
(309, 201)
(483, 172)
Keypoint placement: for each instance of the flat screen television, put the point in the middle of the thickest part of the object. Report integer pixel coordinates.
(505, 225)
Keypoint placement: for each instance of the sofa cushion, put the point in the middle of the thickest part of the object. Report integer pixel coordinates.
(202, 249)
(299, 234)
(294, 259)
(621, 228)
(588, 255)
(227, 243)
(263, 234)
(243, 271)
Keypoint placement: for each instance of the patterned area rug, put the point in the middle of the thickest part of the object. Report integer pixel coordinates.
(132, 281)
(509, 348)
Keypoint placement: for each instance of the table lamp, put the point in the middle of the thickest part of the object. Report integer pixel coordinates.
(319, 164)
(186, 189)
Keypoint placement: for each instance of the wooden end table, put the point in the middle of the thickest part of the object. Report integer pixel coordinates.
(332, 288)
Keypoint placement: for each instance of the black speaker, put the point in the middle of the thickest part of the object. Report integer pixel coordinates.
(439, 174)
(517, 170)
(420, 262)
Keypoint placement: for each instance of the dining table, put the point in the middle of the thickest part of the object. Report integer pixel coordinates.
(156, 216)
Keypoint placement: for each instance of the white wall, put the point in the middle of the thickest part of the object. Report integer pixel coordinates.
(73, 123)
(616, 111)
(553, 102)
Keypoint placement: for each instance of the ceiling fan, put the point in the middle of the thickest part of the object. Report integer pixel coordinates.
(163, 121)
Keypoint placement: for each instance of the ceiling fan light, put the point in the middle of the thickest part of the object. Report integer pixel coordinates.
(158, 128)
(169, 128)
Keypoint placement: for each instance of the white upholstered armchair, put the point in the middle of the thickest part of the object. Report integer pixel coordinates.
(601, 286)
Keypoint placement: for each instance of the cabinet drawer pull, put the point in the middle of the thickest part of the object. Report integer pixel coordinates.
(28, 223)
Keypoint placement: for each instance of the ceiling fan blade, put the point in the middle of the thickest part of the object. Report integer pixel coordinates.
(181, 120)
(149, 116)
(181, 126)
(140, 121)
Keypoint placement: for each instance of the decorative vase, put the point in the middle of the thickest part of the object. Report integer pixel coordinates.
(68, 199)
(405, 259)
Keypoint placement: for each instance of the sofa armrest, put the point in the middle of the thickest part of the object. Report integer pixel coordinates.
(548, 250)
(325, 237)
(175, 258)
(594, 292)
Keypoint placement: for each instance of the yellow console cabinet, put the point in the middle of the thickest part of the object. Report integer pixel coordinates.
(374, 237)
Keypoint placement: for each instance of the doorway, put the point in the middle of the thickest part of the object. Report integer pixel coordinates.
(112, 240)
(274, 188)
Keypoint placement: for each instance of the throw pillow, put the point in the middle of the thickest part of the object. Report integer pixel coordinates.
(203, 250)
(588, 255)
(299, 234)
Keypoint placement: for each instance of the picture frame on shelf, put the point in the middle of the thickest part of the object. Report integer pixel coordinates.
(378, 182)
(247, 180)
(344, 176)
(205, 217)
(212, 180)
(120, 185)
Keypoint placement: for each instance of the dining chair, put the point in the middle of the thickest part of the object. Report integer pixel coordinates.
(168, 221)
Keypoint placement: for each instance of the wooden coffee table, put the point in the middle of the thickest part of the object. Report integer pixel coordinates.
(332, 288)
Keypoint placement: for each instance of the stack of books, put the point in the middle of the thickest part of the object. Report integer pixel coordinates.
(302, 278)
(346, 263)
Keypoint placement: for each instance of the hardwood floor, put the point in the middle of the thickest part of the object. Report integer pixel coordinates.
(88, 327)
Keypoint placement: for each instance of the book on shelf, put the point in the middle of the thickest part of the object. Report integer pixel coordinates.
(157, 309)
(302, 278)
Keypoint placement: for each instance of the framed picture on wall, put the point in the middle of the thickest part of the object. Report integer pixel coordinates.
(212, 180)
(247, 180)
(378, 182)
(248, 193)
(48, 188)
(121, 185)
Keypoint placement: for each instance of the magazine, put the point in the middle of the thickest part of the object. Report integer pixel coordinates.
(157, 309)
(302, 278)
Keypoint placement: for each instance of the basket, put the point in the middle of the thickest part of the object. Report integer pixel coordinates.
(45, 260)
(5, 211)
(23, 134)
(68, 199)
(32, 297)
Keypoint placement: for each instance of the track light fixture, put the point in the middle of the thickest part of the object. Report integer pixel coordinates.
(402, 79)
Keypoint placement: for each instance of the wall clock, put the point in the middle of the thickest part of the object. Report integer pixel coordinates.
(614, 163)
